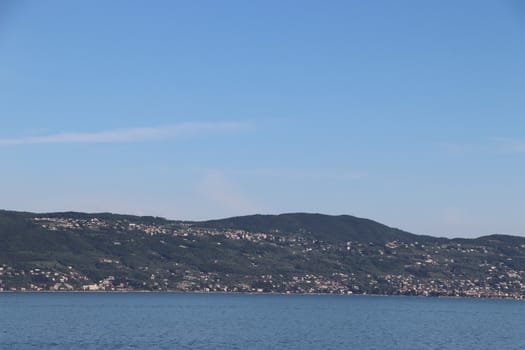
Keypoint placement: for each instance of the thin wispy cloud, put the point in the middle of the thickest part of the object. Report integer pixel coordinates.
(309, 174)
(496, 145)
(130, 134)
(507, 145)
(458, 148)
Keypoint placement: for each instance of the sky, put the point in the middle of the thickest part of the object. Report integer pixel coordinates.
(410, 113)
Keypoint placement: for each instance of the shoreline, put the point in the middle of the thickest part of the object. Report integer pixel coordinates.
(257, 294)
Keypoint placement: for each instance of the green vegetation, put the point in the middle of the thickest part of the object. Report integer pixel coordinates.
(289, 253)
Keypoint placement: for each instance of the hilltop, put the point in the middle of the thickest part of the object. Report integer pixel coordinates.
(317, 226)
(287, 253)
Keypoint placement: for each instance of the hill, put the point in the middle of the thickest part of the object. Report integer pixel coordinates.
(318, 226)
(288, 253)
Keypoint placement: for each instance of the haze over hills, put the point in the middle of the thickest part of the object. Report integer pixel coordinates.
(287, 253)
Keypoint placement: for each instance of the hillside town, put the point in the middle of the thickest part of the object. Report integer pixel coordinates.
(435, 268)
(509, 285)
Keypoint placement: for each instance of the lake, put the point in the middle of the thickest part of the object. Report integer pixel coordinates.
(227, 321)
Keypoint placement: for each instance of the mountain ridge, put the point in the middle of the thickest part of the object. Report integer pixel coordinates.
(221, 221)
(339, 226)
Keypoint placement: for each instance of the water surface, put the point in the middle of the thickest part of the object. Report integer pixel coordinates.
(215, 321)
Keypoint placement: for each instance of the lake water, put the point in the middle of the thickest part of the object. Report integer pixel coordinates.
(214, 321)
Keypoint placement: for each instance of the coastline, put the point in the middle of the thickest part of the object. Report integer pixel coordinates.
(259, 294)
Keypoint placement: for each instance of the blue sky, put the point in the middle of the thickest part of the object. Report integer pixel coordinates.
(406, 112)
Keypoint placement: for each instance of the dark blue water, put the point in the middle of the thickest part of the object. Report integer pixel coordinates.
(181, 321)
